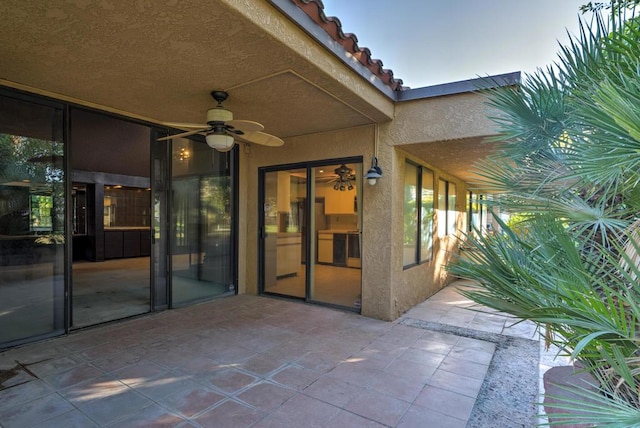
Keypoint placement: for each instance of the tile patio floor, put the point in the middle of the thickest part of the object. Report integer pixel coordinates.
(248, 361)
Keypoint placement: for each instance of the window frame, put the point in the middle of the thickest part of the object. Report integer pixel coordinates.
(418, 257)
(446, 225)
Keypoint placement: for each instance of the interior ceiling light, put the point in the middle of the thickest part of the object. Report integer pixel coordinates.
(345, 177)
(183, 154)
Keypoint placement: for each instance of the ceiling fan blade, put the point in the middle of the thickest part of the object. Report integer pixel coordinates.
(245, 125)
(262, 138)
(182, 125)
(183, 134)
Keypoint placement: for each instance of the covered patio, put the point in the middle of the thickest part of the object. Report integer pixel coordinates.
(264, 362)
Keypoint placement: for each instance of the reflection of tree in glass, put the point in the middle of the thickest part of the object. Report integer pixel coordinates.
(216, 202)
(31, 170)
(410, 214)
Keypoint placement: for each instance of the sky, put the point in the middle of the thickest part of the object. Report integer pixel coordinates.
(428, 42)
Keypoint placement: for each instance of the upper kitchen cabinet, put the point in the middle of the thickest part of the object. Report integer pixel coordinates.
(340, 201)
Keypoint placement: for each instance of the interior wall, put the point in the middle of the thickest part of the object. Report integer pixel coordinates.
(98, 143)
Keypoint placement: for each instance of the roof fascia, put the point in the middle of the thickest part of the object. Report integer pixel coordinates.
(460, 87)
(302, 20)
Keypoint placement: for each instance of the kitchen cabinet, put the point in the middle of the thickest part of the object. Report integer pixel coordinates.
(325, 248)
(340, 249)
(282, 256)
(126, 242)
(288, 254)
(340, 202)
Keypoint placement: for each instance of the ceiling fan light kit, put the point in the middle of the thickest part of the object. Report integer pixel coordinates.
(220, 142)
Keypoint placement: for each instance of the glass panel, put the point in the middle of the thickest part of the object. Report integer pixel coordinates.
(111, 201)
(475, 212)
(336, 276)
(79, 204)
(410, 237)
(126, 206)
(32, 227)
(160, 224)
(442, 208)
(202, 262)
(285, 221)
(452, 214)
(426, 221)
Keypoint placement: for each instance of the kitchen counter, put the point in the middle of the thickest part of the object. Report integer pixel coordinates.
(339, 247)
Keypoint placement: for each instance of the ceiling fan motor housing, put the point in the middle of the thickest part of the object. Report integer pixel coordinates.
(218, 114)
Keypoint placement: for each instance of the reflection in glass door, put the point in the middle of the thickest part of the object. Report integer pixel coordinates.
(202, 262)
(336, 278)
(32, 227)
(111, 218)
(311, 233)
(284, 224)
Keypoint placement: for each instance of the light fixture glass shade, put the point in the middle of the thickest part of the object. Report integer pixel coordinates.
(220, 142)
(374, 172)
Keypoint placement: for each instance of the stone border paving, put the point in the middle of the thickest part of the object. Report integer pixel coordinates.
(509, 394)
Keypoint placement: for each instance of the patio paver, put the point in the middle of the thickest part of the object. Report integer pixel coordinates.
(260, 362)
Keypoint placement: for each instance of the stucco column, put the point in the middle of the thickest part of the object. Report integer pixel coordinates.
(377, 239)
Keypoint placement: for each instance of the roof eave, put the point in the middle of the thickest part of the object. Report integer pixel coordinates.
(304, 21)
(460, 87)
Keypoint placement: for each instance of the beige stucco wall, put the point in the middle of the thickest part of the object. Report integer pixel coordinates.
(412, 285)
(438, 123)
(388, 290)
(443, 118)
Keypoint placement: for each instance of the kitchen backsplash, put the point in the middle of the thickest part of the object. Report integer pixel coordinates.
(342, 222)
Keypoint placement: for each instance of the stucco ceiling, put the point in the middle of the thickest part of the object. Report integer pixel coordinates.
(160, 60)
(456, 157)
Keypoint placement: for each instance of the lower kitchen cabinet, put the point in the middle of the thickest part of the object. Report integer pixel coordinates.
(325, 248)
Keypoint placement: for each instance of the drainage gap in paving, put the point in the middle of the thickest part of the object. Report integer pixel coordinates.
(509, 394)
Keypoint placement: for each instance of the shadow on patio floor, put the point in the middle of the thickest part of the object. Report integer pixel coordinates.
(254, 361)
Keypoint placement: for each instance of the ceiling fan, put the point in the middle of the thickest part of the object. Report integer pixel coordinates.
(345, 178)
(221, 130)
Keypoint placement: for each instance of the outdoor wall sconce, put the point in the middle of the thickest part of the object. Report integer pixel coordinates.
(374, 172)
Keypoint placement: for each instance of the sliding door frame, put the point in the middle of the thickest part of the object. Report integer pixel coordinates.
(309, 206)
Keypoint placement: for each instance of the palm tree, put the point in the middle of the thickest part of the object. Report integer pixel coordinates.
(569, 164)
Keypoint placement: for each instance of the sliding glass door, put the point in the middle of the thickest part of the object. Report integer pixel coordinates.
(32, 226)
(336, 271)
(111, 217)
(202, 240)
(310, 232)
(284, 223)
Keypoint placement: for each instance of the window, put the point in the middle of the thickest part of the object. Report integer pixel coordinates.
(451, 208)
(418, 215)
(410, 238)
(426, 217)
(476, 212)
(447, 215)
(40, 213)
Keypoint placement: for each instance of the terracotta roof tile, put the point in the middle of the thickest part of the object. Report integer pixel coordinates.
(333, 27)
